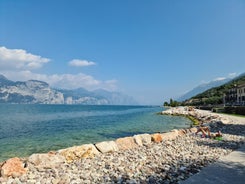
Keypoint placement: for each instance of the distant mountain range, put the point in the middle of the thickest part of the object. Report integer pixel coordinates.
(39, 92)
(203, 87)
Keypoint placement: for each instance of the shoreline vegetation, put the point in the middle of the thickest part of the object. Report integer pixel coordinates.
(145, 158)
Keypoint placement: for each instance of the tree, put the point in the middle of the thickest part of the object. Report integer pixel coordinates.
(165, 104)
(173, 103)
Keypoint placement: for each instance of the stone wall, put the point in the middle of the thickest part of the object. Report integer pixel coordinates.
(16, 166)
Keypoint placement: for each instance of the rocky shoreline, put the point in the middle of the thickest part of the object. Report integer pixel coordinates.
(158, 158)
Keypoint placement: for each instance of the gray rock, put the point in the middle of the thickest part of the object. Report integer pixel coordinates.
(46, 160)
(146, 139)
(138, 140)
(106, 146)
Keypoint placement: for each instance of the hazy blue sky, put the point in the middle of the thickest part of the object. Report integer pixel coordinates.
(149, 49)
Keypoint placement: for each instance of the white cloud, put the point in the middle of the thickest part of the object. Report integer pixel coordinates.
(15, 59)
(64, 81)
(219, 79)
(17, 65)
(229, 76)
(232, 75)
(81, 63)
(70, 81)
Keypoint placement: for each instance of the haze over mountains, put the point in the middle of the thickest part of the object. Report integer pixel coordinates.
(212, 92)
(39, 92)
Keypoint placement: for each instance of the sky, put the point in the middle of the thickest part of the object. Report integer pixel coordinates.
(150, 50)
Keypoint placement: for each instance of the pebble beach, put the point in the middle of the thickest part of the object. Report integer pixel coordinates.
(162, 160)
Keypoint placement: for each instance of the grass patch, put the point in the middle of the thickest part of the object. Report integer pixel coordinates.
(193, 119)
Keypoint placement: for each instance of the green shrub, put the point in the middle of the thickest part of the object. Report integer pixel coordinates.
(194, 120)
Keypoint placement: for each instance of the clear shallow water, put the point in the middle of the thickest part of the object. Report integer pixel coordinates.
(27, 129)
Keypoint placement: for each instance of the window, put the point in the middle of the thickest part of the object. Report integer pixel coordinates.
(243, 98)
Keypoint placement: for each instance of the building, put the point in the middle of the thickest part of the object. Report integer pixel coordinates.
(231, 96)
(236, 95)
(241, 94)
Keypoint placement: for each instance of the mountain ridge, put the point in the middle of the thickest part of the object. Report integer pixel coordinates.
(203, 87)
(40, 92)
(214, 96)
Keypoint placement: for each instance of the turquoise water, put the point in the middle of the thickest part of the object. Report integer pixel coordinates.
(27, 129)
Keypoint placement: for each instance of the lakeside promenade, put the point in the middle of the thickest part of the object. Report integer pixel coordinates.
(158, 158)
(228, 169)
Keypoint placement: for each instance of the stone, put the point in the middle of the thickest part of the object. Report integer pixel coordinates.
(46, 160)
(182, 132)
(193, 130)
(182, 168)
(13, 167)
(156, 138)
(106, 146)
(126, 143)
(55, 181)
(138, 140)
(169, 135)
(146, 139)
(142, 139)
(78, 152)
(192, 113)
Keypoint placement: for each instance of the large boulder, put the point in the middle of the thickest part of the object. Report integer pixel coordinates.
(193, 113)
(126, 143)
(146, 139)
(142, 139)
(169, 135)
(193, 130)
(156, 138)
(106, 146)
(78, 152)
(13, 167)
(46, 160)
(138, 140)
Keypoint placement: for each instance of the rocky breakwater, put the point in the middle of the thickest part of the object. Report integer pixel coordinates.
(201, 115)
(144, 158)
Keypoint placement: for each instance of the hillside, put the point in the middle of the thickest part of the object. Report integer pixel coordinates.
(214, 95)
(203, 87)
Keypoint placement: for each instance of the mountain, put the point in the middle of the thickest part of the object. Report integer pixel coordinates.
(39, 92)
(31, 91)
(97, 97)
(215, 95)
(203, 87)
(82, 96)
(4, 81)
(115, 97)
